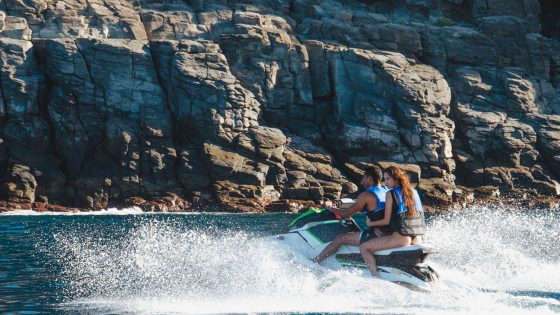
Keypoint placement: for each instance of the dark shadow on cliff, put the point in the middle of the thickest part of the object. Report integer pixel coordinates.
(550, 18)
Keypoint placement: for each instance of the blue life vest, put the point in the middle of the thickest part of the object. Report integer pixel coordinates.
(400, 220)
(379, 192)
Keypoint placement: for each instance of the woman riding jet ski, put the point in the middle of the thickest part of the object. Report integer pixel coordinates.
(403, 213)
(313, 231)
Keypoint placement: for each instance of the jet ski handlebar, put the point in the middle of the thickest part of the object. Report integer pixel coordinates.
(343, 203)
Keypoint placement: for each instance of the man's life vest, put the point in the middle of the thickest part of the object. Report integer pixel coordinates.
(379, 192)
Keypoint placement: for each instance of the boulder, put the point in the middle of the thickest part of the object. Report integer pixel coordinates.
(436, 191)
(19, 184)
(356, 168)
(398, 37)
(270, 142)
(468, 46)
(2, 20)
(191, 171)
(229, 189)
(298, 163)
(547, 128)
(14, 27)
(304, 189)
(487, 192)
(543, 54)
(231, 166)
(413, 171)
(509, 33)
(93, 192)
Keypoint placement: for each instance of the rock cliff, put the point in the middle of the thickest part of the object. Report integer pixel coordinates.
(107, 101)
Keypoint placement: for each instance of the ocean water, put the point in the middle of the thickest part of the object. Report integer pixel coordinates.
(490, 261)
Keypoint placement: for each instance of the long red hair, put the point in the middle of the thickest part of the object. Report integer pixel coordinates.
(404, 181)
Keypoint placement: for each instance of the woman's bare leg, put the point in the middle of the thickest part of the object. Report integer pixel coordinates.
(385, 242)
(352, 238)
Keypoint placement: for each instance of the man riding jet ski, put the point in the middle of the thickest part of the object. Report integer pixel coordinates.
(313, 232)
(372, 203)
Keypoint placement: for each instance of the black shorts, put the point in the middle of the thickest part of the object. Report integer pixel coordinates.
(367, 235)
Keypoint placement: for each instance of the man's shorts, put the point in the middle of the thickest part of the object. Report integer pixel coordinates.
(367, 235)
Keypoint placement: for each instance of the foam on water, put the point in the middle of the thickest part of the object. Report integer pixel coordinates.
(500, 249)
(490, 261)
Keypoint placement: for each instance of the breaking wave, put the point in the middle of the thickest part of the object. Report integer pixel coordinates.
(490, 261)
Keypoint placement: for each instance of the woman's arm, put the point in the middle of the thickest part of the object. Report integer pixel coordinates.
(388, 209)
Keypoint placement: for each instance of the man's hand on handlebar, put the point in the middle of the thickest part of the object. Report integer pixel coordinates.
(335, 207)
(328, 204)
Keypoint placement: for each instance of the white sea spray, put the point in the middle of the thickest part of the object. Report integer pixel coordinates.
(491, 261)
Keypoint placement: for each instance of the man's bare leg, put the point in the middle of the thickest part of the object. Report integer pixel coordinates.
(385, 242)
(352, 238)
(416, 240)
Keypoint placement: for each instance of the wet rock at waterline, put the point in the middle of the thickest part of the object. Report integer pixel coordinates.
(158, 102)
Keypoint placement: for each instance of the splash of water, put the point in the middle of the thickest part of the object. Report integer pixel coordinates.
(503, 249)
(159, 266)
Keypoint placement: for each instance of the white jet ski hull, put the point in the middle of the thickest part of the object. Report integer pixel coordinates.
(309, 243)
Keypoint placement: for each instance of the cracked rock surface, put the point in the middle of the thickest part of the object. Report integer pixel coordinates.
(112, 100)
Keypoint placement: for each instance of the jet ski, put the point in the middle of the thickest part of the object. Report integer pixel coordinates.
(313, 230)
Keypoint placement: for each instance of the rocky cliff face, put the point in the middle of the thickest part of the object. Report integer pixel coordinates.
(113, 99)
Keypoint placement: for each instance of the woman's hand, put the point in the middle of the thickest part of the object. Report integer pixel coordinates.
(368, 222)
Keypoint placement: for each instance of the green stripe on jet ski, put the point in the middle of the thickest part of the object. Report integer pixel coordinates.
(349, 263)
(303, 215)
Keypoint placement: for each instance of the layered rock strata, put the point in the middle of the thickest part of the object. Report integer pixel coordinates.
(115, 101)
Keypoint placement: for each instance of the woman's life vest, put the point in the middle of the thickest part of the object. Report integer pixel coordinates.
(400, 220)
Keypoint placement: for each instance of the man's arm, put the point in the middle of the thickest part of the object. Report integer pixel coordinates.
(356, 207)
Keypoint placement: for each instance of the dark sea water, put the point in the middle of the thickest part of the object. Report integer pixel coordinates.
(491, 261)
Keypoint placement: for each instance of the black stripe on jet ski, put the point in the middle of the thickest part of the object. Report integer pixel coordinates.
(410, 261)
(306, 242)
